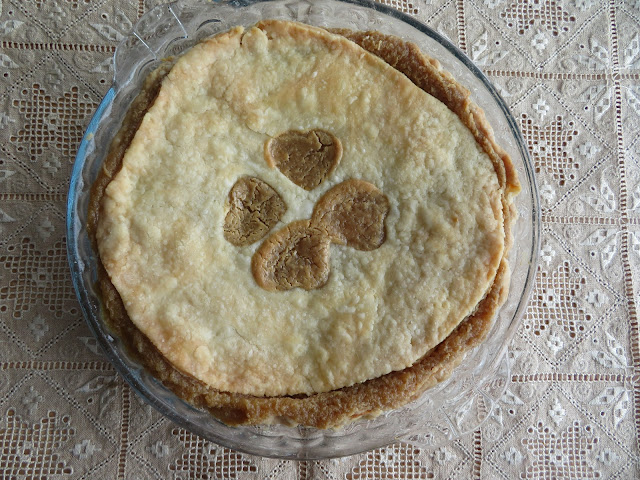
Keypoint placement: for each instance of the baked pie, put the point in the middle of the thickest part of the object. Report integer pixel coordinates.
(303, 226)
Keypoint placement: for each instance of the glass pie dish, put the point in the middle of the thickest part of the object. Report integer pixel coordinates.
(452, 408)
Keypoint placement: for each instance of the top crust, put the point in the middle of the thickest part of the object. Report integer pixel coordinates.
(160, 233)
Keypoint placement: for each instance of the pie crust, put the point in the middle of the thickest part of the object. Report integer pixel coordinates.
(356, 379)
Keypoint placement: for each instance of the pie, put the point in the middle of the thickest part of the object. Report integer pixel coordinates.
(303, 226)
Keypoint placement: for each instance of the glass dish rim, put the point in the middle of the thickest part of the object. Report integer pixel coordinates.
(72, 228)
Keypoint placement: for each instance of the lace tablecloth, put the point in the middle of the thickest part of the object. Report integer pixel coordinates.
(570, 71)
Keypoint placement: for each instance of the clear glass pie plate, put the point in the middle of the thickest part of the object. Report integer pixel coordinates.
(451, 409)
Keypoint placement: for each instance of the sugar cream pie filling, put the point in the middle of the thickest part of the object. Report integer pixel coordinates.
(301, 225)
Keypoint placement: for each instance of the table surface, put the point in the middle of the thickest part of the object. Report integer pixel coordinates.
(569, 70)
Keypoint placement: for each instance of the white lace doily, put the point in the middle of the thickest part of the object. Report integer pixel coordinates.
(570, 72)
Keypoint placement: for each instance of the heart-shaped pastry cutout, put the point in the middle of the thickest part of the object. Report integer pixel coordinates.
(305, 158)
(295, 256)
(254, 209)
(353, 214)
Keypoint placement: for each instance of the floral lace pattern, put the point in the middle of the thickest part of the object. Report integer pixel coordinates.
(570, 72)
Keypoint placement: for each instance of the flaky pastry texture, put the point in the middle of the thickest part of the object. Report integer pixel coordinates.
(388, 323)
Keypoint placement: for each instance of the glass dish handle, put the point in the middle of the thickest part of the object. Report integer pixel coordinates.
(464, 414)
(149, 40)
(172, 27)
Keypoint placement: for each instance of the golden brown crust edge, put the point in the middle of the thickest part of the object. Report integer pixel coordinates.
(426, 73)
(337, 407)
(118, 147)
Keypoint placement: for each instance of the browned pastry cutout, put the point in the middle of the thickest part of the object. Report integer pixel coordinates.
(254, 209)
(305, 158)
(353, 214)
(295, 256)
